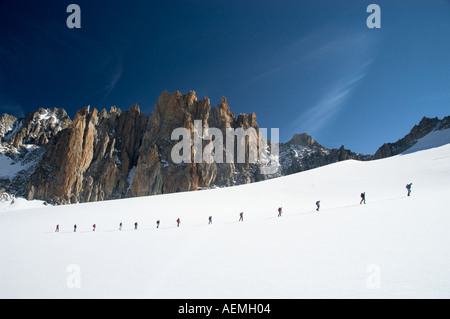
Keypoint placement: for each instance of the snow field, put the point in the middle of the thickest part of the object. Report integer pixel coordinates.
(393, 247)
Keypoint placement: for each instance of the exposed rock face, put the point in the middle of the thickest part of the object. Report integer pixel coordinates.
(92, 159)
(22, 142)
(127, 154)
(6, 125)
(156, 173)
(115, 154)
(425, 126)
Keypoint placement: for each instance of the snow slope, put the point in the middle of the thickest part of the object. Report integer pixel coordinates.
(392, 247)
(434, 139)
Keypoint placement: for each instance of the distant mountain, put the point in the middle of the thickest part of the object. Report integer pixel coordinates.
(302, 153)
(426, 126)
(119, 154)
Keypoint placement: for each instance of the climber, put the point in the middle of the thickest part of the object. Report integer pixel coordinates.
(408, 187)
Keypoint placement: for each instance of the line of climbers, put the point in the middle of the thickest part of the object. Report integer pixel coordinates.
(241, 215)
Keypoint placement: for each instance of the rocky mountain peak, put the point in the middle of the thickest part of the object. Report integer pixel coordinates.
(36, 128)
(303, 140)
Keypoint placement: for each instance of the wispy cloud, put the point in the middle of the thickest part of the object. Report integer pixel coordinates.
(111, 69)
(329, 105)
(113, 80)
(348, 57)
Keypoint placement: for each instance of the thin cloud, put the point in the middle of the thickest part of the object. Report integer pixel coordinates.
(113, 66)
(114, 79)
(320, 114)
(348, 57)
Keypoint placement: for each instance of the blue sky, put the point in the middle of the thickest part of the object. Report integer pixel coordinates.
(302, 66)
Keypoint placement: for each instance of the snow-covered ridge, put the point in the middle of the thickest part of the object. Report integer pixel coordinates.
(434, 139)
